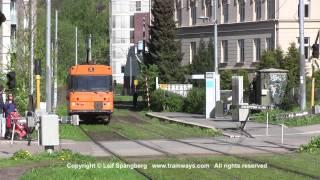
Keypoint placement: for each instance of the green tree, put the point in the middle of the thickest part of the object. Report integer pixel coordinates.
(291, 63)
(271, 59)
(164, 51)
(91, 17)
(202, 61)
(225, 79)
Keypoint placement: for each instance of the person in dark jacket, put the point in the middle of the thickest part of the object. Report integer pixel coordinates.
(9, 107)
(1, 99)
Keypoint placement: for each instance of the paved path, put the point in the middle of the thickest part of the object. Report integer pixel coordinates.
(237, 145)
(230, 128)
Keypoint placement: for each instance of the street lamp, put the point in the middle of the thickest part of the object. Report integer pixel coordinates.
(215, 38)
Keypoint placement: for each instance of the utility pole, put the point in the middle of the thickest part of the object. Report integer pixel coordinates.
(89, 48)
(215, 23)
(76, 46)
(55, 85)
(48, 57)
(302, 58)
(33, 6)
(130, 59)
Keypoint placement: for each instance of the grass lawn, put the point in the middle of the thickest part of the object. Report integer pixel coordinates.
(68, 131)
(57, 166)
(155, 129)
(291, 166)
(126, 98)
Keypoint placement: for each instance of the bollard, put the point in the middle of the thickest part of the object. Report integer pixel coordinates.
(282, 132)
(267, 128)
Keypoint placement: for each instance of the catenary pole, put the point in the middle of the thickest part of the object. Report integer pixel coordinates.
(302, 57)
(48, 57)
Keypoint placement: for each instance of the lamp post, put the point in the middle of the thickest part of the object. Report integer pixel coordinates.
(215, 36)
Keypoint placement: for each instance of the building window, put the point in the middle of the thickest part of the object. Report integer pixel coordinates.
(306, 10)
(178, 13)
(258, 10)
(193, 51)
(208, 8)
(131, 21)
(225, 13)
(257, 49)
(241, 50)
(193, 13)
(242, 10)
(270, 9)
(224, 52)
(269, 44)
(306, 46)
(138, 5)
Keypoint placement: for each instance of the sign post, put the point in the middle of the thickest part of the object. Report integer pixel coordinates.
(210, 94)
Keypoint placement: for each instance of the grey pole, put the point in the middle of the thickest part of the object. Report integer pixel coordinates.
(89, 46)
(76, 46)
(32, 35)
(130, 72)
(48, 57)
(216, 70)
(302, 58)
(55, 85)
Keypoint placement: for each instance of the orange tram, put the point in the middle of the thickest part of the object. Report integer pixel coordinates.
(90, 92)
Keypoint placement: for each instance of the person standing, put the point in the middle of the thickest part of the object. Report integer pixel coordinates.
(2, 120)
(9, 107)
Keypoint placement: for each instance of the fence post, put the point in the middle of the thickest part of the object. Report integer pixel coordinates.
(267, 129)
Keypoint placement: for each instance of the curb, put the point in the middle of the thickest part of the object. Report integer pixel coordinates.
(190, 123)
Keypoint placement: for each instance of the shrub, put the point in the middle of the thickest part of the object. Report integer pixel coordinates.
(22, 154)
(312, 147)
(166, 101)
(195, 101)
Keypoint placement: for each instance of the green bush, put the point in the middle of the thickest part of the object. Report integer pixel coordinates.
(313, 146)
(166, 101)
(195, 101)
(62, 110)
(22, 154)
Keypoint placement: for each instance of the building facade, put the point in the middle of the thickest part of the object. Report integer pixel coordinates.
(122, 32)
(15, 26)
(246, 28)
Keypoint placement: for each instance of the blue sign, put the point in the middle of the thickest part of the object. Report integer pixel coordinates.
(210, 83)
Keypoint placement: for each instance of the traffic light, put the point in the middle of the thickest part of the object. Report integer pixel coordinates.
(11, 76)
(37, 67)
(315, 50)
(2, 18)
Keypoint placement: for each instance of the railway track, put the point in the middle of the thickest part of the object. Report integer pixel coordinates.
(217, 151)
(168, 154)
(139, 171)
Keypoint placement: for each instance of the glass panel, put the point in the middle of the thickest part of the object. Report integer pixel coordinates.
(91, 83)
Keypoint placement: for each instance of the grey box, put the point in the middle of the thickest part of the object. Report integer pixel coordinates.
(316, 109)
(75, 120)
(49, 130)
(219, 109)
